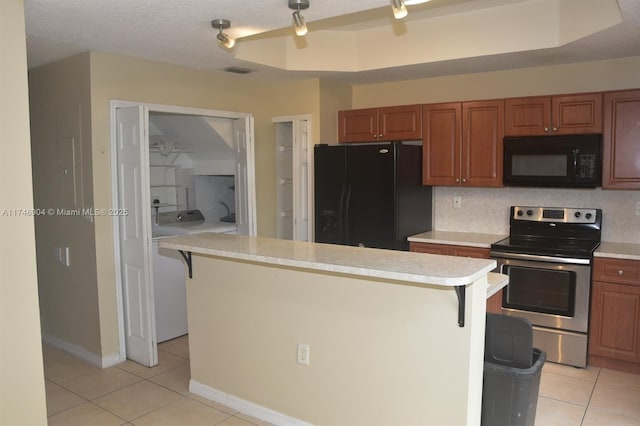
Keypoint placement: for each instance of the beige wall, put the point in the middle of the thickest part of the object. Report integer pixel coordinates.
(22, 396)
(62, 173)
(381, 353)
(572, 78)
(334, 96)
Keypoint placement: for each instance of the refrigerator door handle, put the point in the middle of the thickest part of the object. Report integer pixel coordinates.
(347, 215)
(341, 216)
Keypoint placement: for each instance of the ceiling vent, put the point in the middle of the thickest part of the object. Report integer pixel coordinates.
(238, 70)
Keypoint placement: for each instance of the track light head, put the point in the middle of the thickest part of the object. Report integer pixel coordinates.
(298, 20)
(399, 9)
(223, 39)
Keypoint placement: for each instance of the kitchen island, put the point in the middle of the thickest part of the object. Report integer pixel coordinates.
(380, 330)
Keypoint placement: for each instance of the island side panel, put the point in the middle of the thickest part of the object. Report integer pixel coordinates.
(380, 353)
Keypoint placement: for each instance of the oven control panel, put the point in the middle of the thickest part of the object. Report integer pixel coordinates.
(551, 214)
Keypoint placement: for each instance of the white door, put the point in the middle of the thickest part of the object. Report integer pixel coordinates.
(134, 232)
(301, 180)
(294, 170)
(245, 177)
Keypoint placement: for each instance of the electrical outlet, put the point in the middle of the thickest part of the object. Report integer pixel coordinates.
(638, 208)
(457, 202)
(303, 354)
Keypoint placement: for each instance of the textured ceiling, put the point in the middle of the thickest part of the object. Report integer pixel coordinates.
(179, 32)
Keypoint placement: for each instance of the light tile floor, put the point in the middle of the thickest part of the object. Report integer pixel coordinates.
(130, 394)
(593, 396)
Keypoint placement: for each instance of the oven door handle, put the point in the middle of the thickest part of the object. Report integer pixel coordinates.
(538, 258)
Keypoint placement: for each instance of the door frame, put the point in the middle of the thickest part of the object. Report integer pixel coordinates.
(151, 107)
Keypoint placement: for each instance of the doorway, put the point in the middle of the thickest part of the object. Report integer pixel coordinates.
(130, 141)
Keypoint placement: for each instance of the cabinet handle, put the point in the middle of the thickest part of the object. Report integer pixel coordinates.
(546, 129)
(457, 180)
(620, 272)
(380, 135)
(375, 136)
(555, 129)
(464, 180)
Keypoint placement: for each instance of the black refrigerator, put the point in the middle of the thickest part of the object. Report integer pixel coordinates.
(370, 195)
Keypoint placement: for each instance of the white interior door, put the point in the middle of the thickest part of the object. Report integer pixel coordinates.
(245, 177)
(134, 234)
(301, 180)
(293, 133)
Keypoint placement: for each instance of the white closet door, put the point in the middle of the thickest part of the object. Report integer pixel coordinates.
(134, 234)
(301, 180)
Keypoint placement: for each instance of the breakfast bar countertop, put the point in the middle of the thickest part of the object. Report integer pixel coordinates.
(368, 262)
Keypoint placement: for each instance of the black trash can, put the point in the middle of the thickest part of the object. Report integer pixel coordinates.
(512, 369)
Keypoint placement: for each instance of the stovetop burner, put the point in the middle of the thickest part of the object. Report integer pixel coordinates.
(557, 232)
(547, 246)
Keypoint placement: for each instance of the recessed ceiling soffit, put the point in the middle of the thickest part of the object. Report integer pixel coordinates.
(433, 32)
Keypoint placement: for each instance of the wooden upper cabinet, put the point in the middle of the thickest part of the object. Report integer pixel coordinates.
(462, 144)
(553, 115)
(397, 123)
(441, 144)
(621, 140)
(482, 133)
(358, 125)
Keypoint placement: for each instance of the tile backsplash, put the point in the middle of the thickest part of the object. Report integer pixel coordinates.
(486, 210)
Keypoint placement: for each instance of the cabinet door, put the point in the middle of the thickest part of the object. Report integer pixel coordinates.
(482, 130)
(615, 322)
(575, 114)
(429, 248)
(527, 116)
(441, 144)
(358, 125)
(400, 123)
(621, 150)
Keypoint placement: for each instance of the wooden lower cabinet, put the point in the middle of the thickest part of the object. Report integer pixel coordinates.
(494, 303)
(614, 330)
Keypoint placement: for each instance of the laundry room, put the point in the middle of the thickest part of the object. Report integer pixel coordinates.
(192, 166)
(191, 189)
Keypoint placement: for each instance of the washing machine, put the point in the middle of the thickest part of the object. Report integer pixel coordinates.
(169, 269)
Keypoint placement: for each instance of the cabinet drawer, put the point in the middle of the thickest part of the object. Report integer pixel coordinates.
(428, 248)
(616, 271)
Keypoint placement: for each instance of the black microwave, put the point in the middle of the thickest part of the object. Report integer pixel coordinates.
(567, 161)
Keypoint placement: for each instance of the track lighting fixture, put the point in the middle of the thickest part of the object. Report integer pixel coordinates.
(298, 20)
(399, 9)
(223, 39)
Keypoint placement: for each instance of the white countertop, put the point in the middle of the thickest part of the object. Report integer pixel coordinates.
(469, 239)
(387, 264)
(618, 250)
(496, 283)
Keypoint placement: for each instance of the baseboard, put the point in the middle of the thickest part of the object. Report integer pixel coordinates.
(245, 407)
(80, 352)
(614, 364)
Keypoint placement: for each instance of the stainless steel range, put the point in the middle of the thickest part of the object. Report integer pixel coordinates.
(547, 257)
